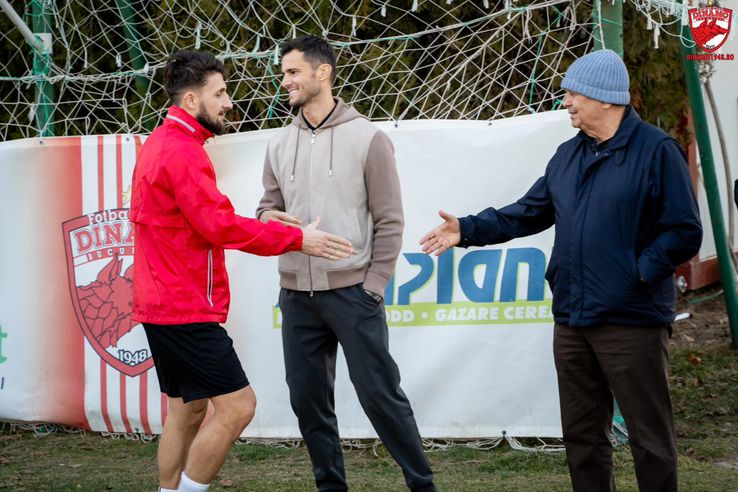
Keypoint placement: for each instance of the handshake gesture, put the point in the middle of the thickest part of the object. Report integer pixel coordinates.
(314, 242)
(321, 244)
(444, 237)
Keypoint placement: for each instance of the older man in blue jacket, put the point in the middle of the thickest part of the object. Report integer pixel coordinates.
(620, 196)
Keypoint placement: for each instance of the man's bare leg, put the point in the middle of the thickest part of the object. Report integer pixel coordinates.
(180, 428)
(208, 451)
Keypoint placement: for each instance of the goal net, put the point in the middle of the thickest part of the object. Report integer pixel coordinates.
(442, 59)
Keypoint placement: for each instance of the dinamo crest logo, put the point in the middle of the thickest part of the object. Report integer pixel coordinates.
(710, 26)
(99, 249)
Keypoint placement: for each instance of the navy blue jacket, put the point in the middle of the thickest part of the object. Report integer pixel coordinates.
(625, 217)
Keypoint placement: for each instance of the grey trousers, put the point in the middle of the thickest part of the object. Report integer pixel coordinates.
(631, 363)
(312, 327)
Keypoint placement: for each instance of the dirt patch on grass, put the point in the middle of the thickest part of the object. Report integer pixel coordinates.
(708, 323)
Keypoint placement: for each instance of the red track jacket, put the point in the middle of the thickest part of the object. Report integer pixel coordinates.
(182, 223)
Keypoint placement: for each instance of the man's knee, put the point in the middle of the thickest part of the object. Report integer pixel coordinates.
(238, 410)
(302, 393)
(380, 381)
(246, 415)
(377, 399)
(240, 415)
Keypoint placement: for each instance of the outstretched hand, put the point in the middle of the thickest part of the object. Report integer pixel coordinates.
(445, 236)
(324, 245)
(281, 217)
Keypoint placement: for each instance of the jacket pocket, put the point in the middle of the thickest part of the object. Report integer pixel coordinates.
(631, 284)
(551, 271)
(292, 262)
(209, 290)
(363, 294)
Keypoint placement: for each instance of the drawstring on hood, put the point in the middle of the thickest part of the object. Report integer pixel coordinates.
(340, 114)
(358, 197)
(297, 147)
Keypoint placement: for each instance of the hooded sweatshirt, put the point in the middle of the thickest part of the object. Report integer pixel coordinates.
(345, 173)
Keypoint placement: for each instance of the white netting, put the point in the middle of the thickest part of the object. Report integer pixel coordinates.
(425, 59)
(460, 59)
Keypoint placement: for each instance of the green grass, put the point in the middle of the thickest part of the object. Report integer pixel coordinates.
(704, 386)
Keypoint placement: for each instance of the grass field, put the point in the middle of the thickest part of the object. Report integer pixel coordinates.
(704, 390)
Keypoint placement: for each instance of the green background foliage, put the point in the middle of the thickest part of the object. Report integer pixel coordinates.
(657, 81)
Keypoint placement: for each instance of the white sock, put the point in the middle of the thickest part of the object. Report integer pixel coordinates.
(186, 484)
(162, 489)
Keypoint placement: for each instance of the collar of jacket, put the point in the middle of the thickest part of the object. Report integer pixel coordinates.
(630, 122)
(341, 114)
(181, 118)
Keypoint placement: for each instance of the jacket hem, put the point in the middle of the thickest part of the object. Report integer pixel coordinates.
(337, 279)
(635, 322)
(375, 283)
(179, 320)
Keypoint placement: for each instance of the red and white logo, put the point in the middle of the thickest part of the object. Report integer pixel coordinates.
(710, 26)
(99, 250)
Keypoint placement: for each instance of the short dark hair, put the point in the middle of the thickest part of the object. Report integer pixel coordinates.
(315, 50)
(188, 70)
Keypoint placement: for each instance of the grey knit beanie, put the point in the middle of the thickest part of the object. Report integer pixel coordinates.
(600, 75)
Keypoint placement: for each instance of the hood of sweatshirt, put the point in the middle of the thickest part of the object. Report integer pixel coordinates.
(341, 114)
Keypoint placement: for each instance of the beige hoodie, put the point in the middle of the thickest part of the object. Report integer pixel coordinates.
(343, 172)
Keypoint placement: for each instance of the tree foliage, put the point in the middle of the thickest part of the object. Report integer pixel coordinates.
(90, 42)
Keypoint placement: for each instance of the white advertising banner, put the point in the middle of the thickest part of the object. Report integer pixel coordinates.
(471, 330)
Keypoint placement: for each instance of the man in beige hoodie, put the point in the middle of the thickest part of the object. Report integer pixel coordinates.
(332, 163)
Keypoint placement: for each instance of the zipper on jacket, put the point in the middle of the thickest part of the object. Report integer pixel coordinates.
(310, 212)
(587, 195)
(210, 277)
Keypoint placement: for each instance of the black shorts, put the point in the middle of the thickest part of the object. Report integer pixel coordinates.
(195, 361)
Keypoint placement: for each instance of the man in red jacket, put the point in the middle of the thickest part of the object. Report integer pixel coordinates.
(182, 225)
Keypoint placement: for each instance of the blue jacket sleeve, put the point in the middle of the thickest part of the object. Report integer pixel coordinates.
(677, 227)
(532, 214)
